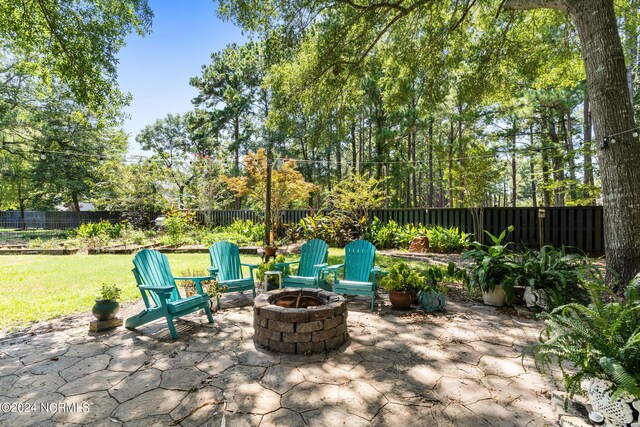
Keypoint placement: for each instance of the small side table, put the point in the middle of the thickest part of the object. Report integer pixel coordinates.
(267, 274)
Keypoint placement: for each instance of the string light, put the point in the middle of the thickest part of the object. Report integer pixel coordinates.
(611, 139)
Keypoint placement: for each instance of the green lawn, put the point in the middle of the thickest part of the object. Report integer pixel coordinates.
(41, 287)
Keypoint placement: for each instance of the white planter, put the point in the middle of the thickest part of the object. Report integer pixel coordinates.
(496, 298)
(616, 413)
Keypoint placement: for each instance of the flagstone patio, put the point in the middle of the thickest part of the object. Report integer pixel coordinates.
(459, 368)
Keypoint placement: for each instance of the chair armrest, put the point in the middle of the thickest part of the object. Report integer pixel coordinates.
(377, 271)
(251, 268)
(285, 264)
(158, 289)
(213, 271)
(198, 278)
(329, 269)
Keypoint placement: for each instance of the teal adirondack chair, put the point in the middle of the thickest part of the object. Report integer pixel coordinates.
(155, 280)
(359, 276)
(313, 258)
(225, 259)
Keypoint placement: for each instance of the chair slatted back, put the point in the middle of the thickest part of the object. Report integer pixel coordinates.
(359, 257)
(226, 257)
(152, 269)
(313, 252)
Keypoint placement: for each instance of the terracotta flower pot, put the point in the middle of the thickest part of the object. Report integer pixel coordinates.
(401, 300)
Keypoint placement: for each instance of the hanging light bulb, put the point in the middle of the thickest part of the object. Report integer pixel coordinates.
(635, 133)
(43, 155)
(613, 139)
(605, 143)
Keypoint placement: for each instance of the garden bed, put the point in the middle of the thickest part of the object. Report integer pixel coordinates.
(38, 251)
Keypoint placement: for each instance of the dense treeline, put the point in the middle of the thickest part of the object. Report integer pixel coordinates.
(502, 120)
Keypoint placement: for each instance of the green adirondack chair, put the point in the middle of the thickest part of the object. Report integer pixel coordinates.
(359, 275)
(313, 258)
(225, 258)
(154, 278)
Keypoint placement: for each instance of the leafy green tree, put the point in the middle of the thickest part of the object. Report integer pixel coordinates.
(176, 150)
(76, 43)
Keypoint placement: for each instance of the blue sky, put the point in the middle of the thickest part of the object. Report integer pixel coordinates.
(156, 69)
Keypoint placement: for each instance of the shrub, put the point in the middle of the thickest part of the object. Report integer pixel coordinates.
(402, 278)
(551, 270)
(336, 228)
(250, 231)
(392, 235)
(101, 229)
(177, 225)
(445, 240)
(601, 340)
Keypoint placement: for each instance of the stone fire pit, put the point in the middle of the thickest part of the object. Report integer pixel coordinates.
(300, 321)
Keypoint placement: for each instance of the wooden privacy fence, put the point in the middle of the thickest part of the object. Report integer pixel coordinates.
(580, 226)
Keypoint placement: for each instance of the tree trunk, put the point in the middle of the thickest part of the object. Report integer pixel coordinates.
(587, 146)
(430, 196)
(612, 114)
(514, 187)
(534, 196)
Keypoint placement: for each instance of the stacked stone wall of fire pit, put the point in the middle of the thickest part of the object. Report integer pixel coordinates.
(300, 330)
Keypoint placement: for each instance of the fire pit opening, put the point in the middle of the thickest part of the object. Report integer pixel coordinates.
(300, 321)
(298, 301)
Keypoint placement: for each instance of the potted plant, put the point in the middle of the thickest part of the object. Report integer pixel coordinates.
(400, 283)
(272, 281)
(492, 270)
(602, 342)
(432, 294)
(107, 305)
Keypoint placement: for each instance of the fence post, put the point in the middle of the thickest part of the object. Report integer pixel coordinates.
(541, 216)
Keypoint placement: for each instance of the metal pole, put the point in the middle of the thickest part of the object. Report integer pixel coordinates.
(267, 211)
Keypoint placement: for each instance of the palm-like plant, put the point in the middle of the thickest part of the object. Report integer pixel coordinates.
(493, 265)
(601, 340)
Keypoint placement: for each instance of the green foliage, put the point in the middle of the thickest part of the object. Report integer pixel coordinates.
(551, 270)
(393, 235)
(434, 275)
(251, 231)
(335, 228)
(76, 43)
(101, 229)
(446, 240)
(357, 195)
(270, 266)
(109, 292)
(492, 265)
(402, 278)
(600, 340)
(178, 224)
